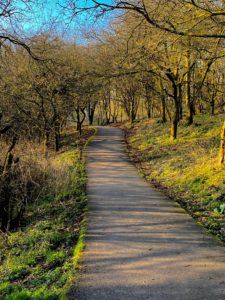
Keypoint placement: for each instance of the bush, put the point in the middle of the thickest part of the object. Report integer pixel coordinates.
(29, 181)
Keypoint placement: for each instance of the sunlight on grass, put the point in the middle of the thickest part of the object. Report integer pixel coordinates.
(188, 167)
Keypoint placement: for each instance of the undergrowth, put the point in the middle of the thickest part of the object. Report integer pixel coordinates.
(39, 260)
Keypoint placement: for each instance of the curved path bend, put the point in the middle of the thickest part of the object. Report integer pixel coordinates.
(140, 245)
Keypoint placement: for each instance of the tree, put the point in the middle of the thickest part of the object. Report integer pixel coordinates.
(203, 19)
(38, 91)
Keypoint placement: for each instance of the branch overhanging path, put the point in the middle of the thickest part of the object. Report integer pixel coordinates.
(140, 245)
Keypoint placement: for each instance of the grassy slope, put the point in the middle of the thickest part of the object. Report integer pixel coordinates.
(39, 261)
(187, 168)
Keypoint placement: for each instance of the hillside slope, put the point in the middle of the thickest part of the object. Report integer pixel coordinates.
(187, 168)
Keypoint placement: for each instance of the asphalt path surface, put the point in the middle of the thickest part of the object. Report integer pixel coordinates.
(140, 245)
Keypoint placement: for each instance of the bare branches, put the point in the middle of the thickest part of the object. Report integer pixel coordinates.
(203, 11)
(16, 41)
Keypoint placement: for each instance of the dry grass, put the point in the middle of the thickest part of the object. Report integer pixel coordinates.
(37, 174)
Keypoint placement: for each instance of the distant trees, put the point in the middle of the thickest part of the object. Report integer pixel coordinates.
(129, 91)
(185, 58)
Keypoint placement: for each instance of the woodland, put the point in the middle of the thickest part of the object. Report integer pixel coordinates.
(157, 70)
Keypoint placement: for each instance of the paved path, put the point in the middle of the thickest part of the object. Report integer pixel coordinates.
(140, 245)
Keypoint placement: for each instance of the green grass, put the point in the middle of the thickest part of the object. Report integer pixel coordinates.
(188, 168)
(40, 260)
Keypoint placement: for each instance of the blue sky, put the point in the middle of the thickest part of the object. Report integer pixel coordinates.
(51, 15)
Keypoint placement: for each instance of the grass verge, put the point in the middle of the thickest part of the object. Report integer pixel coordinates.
(186, 169)
(39, 260)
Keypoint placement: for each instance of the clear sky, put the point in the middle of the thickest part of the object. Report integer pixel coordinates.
(54, 15)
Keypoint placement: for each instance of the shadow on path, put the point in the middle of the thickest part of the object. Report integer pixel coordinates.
(140, 245)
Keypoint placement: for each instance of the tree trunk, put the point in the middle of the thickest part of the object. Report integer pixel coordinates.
(91, 118)
(163, 106)
(91, 112)
(191, 112)
(190, 104)
(132, 113)
(175, 120)
(222, 146)
(79, 124)
(213, 107)
(200, 108)
(78, 118)
(79, 128)
(174, 128)
(107, 118)
(189, 100)
(57, 137)
(6, 193)
(180, 102)
(148, 100)
(4, 215)
(149, 112)
(46, 143)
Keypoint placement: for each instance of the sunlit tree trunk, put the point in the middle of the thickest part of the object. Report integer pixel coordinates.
(222, 146)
